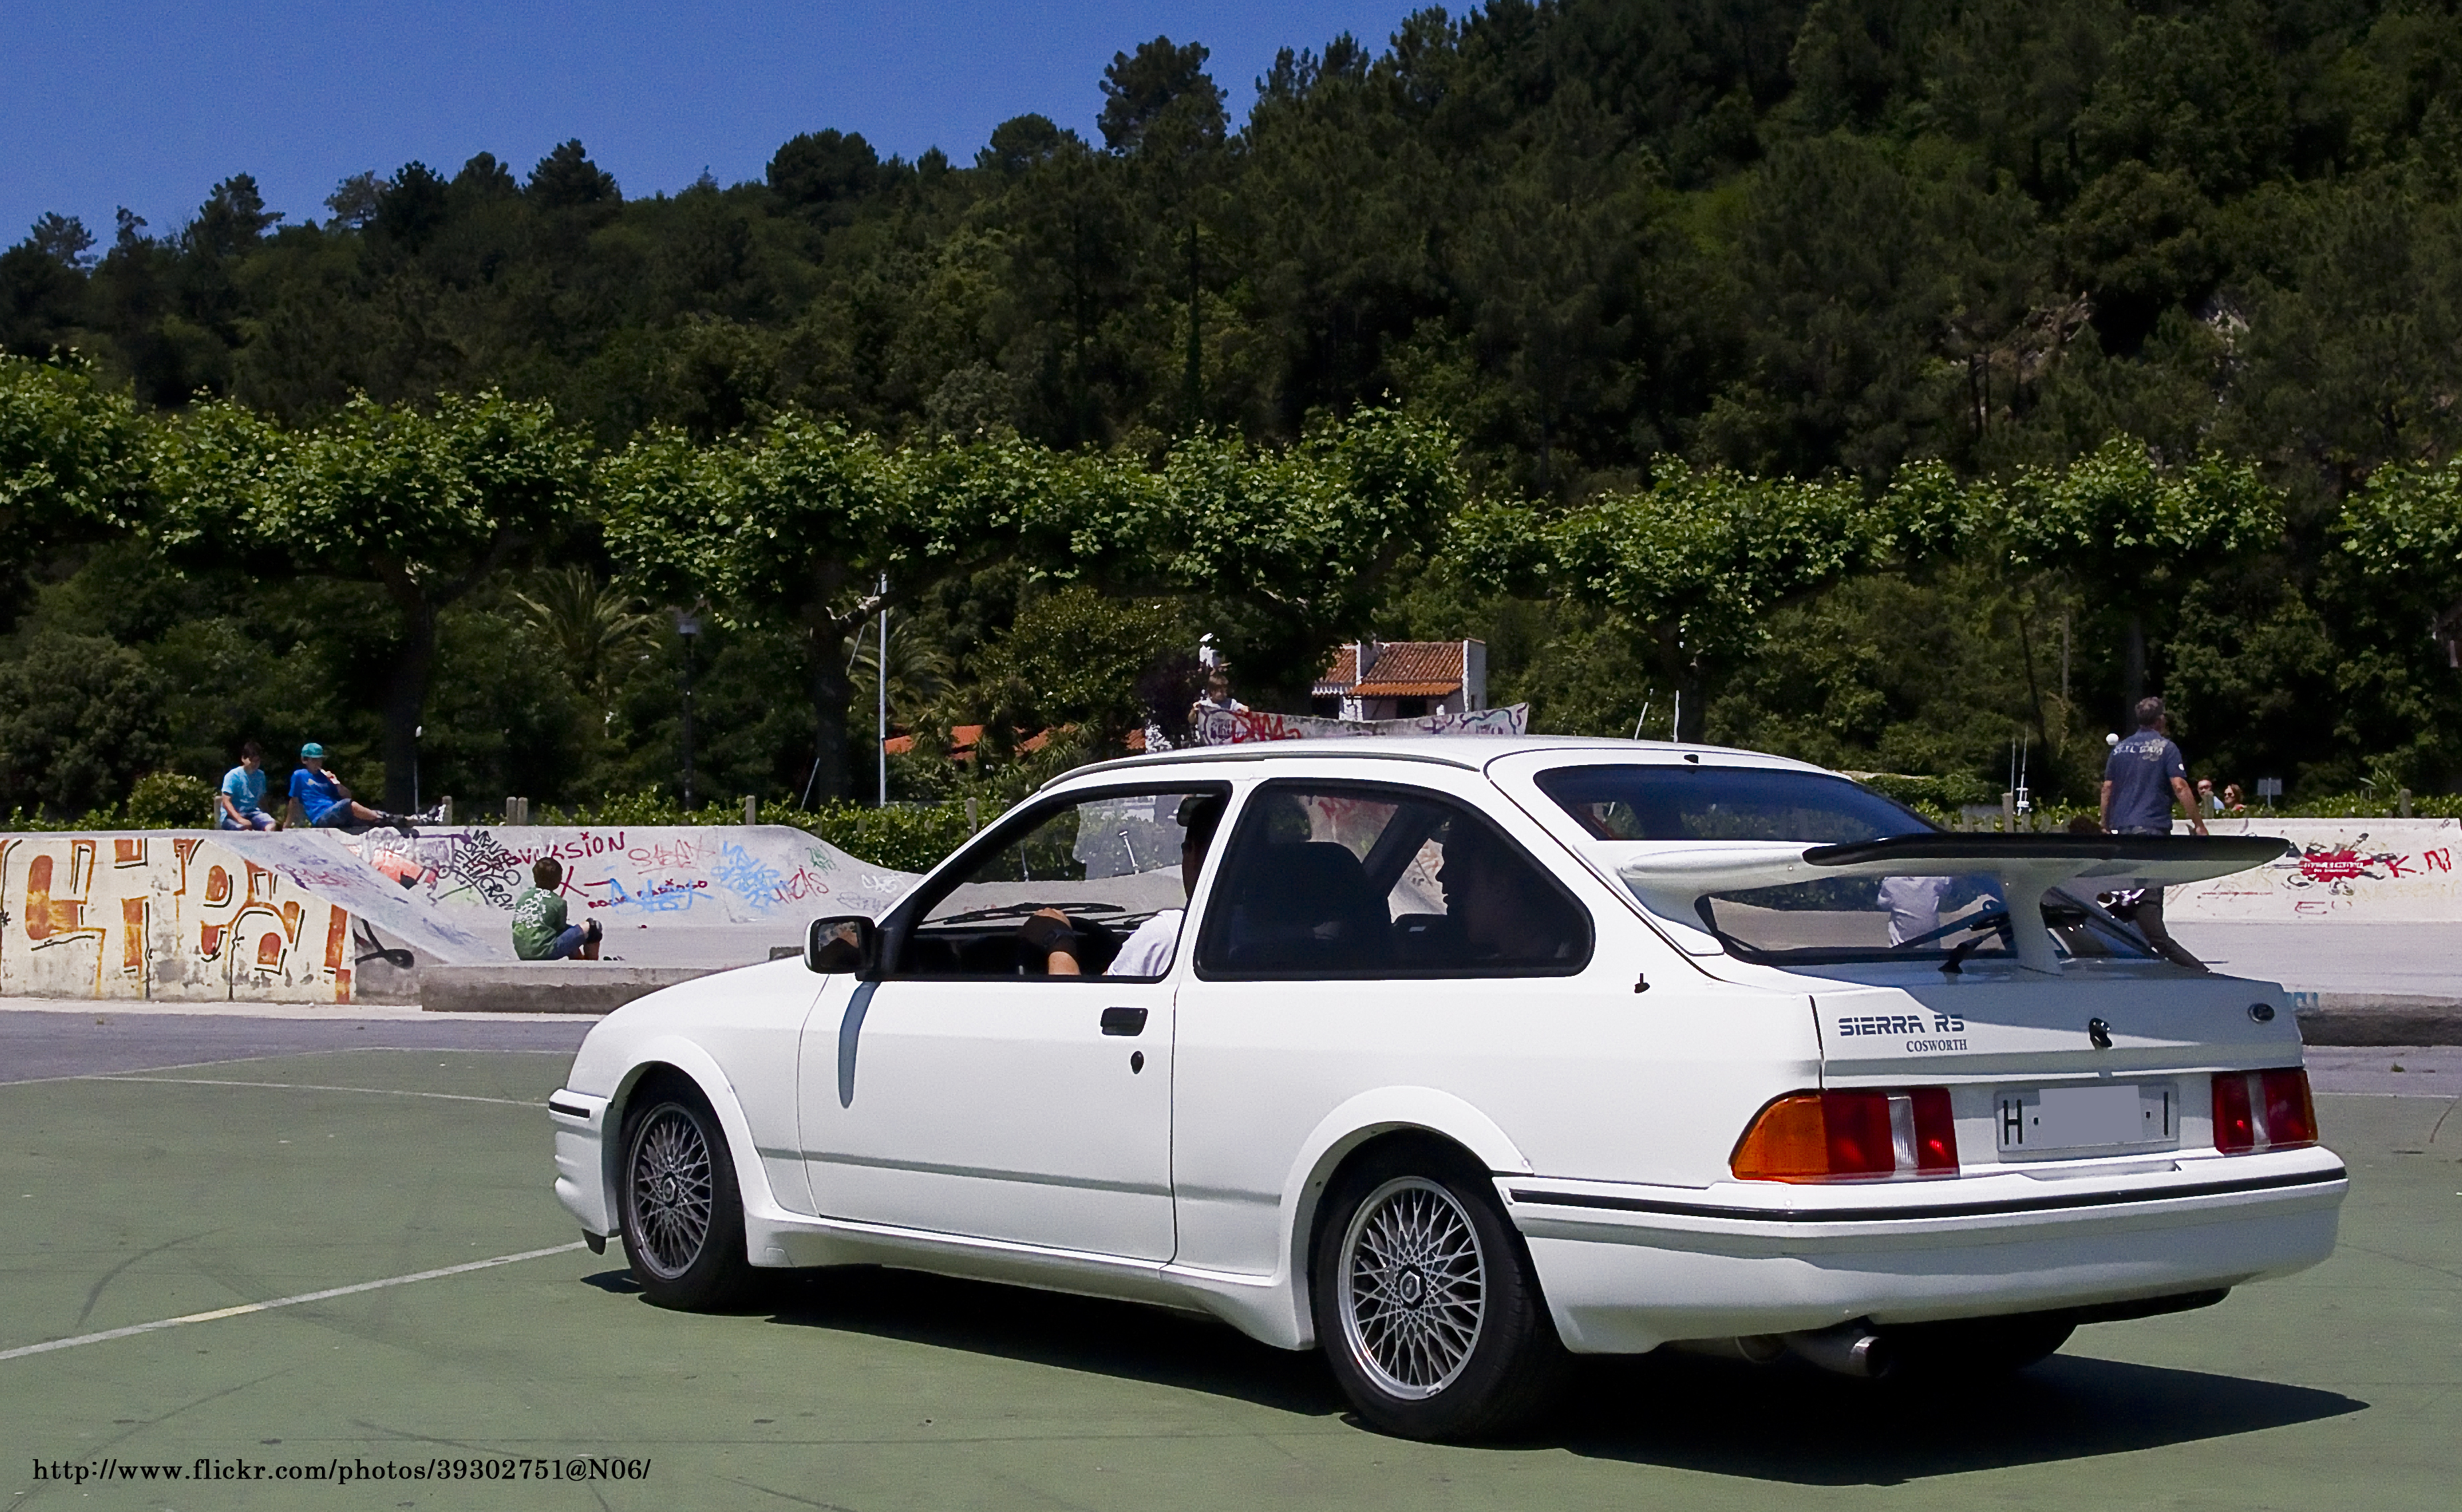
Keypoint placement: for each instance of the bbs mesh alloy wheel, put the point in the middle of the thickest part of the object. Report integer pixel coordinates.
(683, 1217)
(1426, 1307)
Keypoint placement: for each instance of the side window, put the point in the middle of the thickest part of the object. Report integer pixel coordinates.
(1109, 863)
(1345, 880)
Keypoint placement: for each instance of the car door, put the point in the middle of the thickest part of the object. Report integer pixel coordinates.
(1377, 940)
(971, 1091)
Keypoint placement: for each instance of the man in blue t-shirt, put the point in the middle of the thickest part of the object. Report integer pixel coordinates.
(242, 798)
(2143, 778)
(328, 805)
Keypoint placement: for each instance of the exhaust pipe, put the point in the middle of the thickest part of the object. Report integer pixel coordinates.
(1753, 1348)
(1850, 1349)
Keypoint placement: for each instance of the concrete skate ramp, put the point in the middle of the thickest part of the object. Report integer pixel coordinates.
(665, 894)
(312, 915)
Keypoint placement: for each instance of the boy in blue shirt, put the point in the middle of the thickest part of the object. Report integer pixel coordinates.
(328, 805)
(242, 799)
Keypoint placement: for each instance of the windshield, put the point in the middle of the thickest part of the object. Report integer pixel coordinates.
(1679, 801)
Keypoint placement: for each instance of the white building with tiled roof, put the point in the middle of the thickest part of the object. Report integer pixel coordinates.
(1402, 680)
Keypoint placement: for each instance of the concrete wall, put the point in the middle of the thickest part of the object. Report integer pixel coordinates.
(197, 916)
(307, 916)
(2394, 871)
(658, 878)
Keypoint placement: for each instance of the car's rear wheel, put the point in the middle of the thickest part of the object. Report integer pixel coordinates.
(1974, 1349)
(683, 1217)
(1426, 1306)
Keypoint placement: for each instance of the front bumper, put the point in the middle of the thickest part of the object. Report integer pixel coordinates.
(581, 1182)
(1627, 1267)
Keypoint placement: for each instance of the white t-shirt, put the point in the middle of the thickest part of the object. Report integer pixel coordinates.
(1148, 952)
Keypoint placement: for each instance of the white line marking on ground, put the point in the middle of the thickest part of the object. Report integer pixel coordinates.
(313, 1086)
(272, 1055)
(331, 1292)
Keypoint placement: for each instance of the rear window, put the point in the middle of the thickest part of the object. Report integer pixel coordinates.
(1900, 919)
(1679, 801)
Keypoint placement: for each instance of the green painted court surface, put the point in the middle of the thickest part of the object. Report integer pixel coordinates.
(132, 1202)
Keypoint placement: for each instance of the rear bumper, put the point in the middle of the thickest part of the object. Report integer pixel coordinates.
(1626, 1269)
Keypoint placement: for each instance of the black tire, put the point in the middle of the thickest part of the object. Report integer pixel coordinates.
(1972, 1351)
(1426, 1304)
(683, 1212)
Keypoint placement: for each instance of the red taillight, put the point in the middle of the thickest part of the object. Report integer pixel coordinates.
(2290, 1117)
(1822, 1136)
(1936, 1130)
(1857, 1126)
(2235, 1123)
(2263, 1111)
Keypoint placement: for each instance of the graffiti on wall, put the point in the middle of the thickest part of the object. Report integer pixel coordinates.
(164, 916)
(2395, 870)
(671, 874)
(1245, 727)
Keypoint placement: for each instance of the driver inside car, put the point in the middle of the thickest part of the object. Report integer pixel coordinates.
(1148, 952)
(1502, 918)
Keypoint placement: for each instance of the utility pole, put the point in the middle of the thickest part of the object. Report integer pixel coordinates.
(880, 686)
(688, 626)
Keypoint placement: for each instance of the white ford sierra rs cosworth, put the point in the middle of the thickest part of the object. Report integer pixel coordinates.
(1453, 1056)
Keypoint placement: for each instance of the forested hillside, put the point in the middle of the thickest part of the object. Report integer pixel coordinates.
(1898, 378)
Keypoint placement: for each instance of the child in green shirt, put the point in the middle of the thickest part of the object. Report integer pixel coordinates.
(539, 930)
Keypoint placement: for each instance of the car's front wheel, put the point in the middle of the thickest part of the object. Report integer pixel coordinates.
(1426, 1306)
(683, 1217)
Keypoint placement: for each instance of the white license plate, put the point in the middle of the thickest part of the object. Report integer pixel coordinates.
(2060, 1120)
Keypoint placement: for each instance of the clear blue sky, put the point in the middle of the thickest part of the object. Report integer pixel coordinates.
(147, 103)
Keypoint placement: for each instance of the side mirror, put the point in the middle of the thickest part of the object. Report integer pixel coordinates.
(843, 943)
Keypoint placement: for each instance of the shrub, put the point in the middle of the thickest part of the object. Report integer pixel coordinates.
(170, 800)
(905, 837)
(1930, 792)
(81, 716)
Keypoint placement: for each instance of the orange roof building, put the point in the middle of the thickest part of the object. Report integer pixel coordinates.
(1402, 680)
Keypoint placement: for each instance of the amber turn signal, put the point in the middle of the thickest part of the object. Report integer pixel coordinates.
(1826, 1136)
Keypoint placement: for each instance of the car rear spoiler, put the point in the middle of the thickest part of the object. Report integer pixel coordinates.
(1669, 879)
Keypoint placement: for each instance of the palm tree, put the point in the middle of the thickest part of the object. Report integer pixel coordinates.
(597, 630)
(919, 671)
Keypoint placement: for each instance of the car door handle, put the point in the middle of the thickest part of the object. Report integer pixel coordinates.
(1124, 1021)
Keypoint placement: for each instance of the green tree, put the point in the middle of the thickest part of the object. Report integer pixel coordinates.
(1287, 550)
(2127, 532)
(80, 718)
(424, 506)
(2396, 579)
(43, 288)
(72, 466)
(796, 527)
(1691, 567)
(596, 631)
(1078, 658)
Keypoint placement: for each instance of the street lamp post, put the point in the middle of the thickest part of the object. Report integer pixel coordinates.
(880, 686)
(688, 626)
